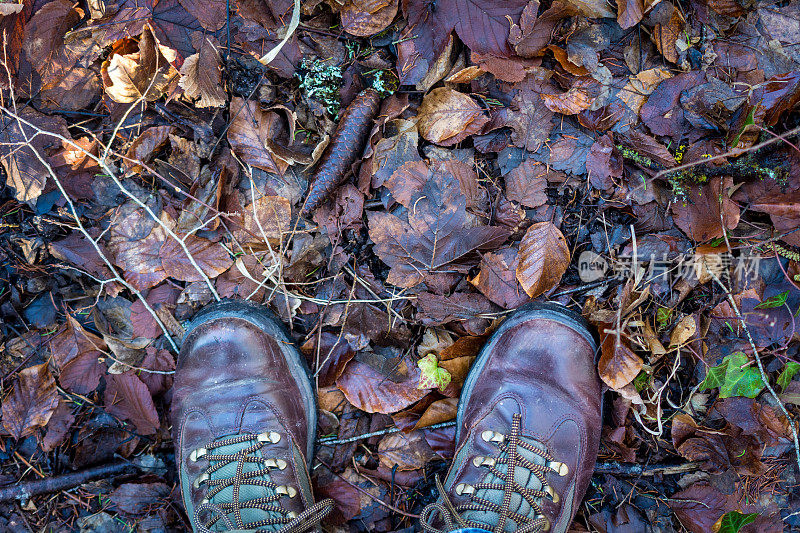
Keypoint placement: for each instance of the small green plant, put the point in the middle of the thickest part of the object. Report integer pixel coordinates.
(734, 521)
(789, 371)
(734, 377)
(774, 301)
(663, 317)
(321, 81)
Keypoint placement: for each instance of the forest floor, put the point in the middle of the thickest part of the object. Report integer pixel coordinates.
(636, 161)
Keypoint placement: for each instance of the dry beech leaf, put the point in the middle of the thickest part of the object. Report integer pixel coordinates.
(212, 258)
(268, 218)
(407, 451)
(127, 397)
(31, 402)
(145, 74)
(683, 331)
(653, 343)
(543, 258)
(618, 365)
(447, 117)
(201, 73)
(250, 131)
(77, 353)
(527, 184)
(497, 278)
(363, 18)
(465, 75)
(579, 97)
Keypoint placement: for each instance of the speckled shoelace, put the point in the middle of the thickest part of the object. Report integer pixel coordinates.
(208, 515)
(508, 454)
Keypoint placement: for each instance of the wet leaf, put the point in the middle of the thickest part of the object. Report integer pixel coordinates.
(497, 279)
(406, 451)
(527, 184)
(707, 211)
(734, 521)
(543, 258)
(447, 117)
(368, 17)
(209, 256)
(528, 117)
(789, 371)
(32, 401)
(250, 130)
(77, 353)
(580, 96)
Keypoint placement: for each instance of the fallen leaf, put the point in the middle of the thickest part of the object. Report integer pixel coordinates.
(603, 163)
(447, 117)
(128, 398)
(497, 278)
(32, 401)
(250, 130)
(143, 75)
(735, 376)
(201, 73)
(432, 376)
(580, 96)
(77, 353)
(139, 498)
(58, 426)
(405, 451)
(618, 365)
(135, 244)
(211, 257)
(531, 37)
(528, 116)
(146, 146)
(370, 391)
(543, 258)
(707, 212)
(527, 184)
(363, 18)
(435, 237)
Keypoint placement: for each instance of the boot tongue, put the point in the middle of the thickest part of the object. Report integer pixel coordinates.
(247, 492)
(522, 475)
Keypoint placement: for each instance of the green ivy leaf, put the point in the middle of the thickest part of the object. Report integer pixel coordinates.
(433, 376)
(789, 371)
(774, 301)
(734, 378)
(733, 521)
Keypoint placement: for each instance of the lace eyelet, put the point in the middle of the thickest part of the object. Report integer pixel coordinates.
(197, 454)
(269, 436)
(464, 488)
(480, 460)
(552, 493)
(286, 490)
(202, 478)
(280, 464)
(546, 525)
(492, 436)
(560, 468)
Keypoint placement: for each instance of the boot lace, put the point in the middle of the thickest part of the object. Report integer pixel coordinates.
(251, 469)
(511, 454)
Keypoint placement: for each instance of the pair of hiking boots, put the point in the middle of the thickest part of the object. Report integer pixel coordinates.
(244, 423)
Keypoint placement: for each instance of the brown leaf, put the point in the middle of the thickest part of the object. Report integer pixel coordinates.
(371, 391)
(666, 35)
(662, 112)
(139, 498)
(436, 236)
(18, 146)
(267, 219)
(528, 116)
(447, 117)
(629, 13)
(159, 361)
(363, 18)
(618, 364)
(58, 426)
(212, 258)
(31, 403)
(543, 258)
(331, 353)
(527, 184)
(406, 451)
(250, 130)
(534, 32)
(146, 146)
(128, 398)
(708, 211)
(201, 73)
(603, 163)
(77, 353)
(438, 412)
(208, 12)
(580, 96)
(497, 279)
(390, 153)
(135, 244)
(145, 74)
(435, 309)
(172, 25)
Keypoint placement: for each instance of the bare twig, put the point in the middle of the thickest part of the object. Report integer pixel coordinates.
(635, 470)
(330, 441)
(24, 490)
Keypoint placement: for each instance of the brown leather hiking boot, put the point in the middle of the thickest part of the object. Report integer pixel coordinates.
(243, 422)
(529, 422)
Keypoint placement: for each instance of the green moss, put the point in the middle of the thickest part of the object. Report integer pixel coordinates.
(321, 81)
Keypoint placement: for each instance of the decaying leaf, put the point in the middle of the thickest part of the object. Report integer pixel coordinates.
(201, 73)
(447, 117)
(31, 402)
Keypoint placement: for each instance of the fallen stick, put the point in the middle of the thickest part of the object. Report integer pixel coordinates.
(623, 469)
(23, 491)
